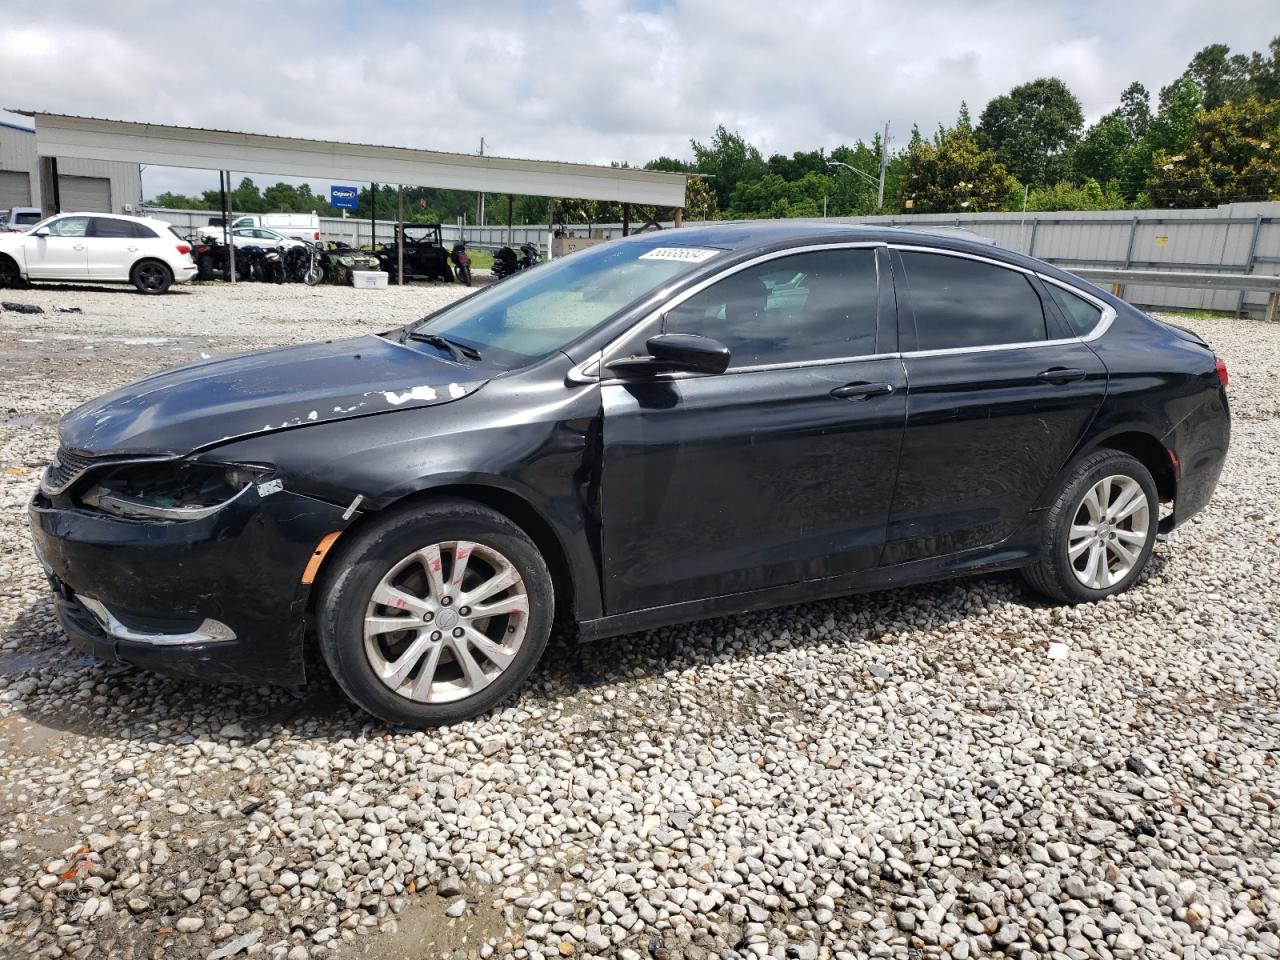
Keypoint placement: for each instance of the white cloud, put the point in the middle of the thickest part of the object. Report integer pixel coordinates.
(592, 81)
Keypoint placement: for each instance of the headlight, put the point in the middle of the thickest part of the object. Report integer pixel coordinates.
(182, 490)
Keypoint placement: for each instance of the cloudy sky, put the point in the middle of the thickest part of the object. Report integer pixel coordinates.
(589, 81)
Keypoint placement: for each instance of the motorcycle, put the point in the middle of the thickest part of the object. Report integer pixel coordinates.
(260, 264)
(529, 256)
(461, 261)
(505, 263)
(304, 264)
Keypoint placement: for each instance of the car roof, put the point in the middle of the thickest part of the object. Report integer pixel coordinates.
(747, 236)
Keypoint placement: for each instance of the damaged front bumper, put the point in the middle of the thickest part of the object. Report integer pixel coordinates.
(219, 598)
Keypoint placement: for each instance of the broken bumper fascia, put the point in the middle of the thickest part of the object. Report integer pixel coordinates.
(218, 599)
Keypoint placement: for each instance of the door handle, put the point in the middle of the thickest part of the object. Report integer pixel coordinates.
(132, 249)
(78, 246)
(862, 391)
(1062, 375)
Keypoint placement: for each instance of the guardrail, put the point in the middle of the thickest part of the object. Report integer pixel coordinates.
(1185, 278)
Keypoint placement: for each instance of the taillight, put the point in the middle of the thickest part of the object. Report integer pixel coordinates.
(317, 234)
(183, 248)
(1221, 367)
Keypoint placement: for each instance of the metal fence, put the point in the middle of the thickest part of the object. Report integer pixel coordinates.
(1235, 238)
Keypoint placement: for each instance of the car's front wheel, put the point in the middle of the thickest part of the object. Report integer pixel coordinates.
(150, 276)
(1100, 530)
(435, 614)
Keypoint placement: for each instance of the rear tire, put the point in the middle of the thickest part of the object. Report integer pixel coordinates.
(452, 659)
(151, 277)
(1099, 531)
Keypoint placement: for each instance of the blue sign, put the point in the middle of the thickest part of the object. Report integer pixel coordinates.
(344, 198)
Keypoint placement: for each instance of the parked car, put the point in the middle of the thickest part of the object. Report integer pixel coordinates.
(254, 237)
(19, 219)
(636, 435)
(299, 226)
(148, 253)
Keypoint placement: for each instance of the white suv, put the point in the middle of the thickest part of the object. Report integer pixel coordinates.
(98, 247)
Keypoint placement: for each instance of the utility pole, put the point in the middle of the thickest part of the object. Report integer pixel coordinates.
(480, 195)
(884, 165)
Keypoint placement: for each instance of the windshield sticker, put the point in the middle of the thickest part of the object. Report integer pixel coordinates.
(687, 254)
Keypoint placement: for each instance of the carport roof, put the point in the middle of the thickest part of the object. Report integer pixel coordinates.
(94, 138)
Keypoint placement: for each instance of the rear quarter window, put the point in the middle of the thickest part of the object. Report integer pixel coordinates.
(1081, 314)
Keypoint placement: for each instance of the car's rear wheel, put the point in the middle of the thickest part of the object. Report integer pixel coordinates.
(435, 614)
(150, 276)
(1100, 530)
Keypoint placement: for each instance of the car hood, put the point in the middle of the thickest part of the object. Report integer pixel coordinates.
(189, 408)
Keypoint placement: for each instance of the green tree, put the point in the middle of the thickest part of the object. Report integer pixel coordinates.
(1067, 196)
(1234, 155)
(1218, 74)
(1031, 128)
(1264, 72)
(954, 174)
(729, 159)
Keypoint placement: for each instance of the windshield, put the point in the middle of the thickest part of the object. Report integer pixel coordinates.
(545, 308)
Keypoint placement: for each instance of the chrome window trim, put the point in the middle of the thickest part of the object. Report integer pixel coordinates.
(579, 373)
(755, 368)
(1104, 322)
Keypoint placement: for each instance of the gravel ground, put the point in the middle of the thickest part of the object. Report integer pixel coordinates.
(903, 774)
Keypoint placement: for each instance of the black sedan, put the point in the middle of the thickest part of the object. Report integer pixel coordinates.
(658, 429)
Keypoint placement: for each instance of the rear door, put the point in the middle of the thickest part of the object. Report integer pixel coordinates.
(63, 254)
(776, 471)
(112, 248)
(1000, 391)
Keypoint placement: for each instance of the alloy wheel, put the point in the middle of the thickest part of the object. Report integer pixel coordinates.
(1109, 531)
(151, 276)
(446, 621)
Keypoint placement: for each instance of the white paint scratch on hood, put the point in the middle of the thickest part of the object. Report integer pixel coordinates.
(424, 392)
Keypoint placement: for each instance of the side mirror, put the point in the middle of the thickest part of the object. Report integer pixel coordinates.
(670, 352)
(42, 232)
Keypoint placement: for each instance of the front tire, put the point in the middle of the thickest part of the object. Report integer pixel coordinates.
(1100, 530)
(435, 614)
(151, 277)
(10, 275)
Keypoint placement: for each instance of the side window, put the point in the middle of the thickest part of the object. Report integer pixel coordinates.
(69, 227)
(27, 219)
(142, 232)
(1082, 315)
(242, 222)
(110, 228)
(810, 306)
(959, 302)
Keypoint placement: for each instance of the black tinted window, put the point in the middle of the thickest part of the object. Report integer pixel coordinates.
(810, 306)
(27, 218)
(1081, 314)
(967, 303)
(109, 227)
(142, 232)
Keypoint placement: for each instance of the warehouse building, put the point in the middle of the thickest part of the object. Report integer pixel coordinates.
(103, 186)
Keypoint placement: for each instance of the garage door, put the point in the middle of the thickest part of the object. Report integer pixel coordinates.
(85, 193)
(15, 189)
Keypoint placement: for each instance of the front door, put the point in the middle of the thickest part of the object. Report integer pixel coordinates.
(62, 254)
(779, 470)
(999, 393)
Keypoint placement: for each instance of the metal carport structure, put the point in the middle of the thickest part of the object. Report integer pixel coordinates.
(61, 135)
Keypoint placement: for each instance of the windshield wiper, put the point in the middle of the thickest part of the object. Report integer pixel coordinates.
(457, 351)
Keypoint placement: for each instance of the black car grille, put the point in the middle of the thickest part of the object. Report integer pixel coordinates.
(66, 469)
